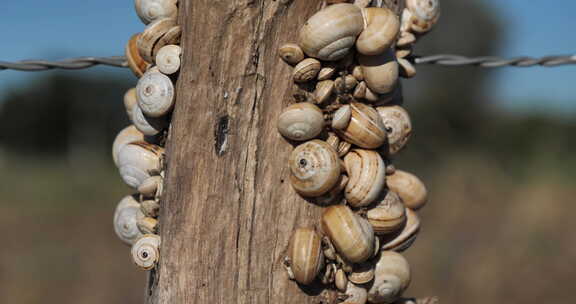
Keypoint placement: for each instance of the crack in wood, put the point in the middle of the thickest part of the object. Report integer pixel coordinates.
(221, 131)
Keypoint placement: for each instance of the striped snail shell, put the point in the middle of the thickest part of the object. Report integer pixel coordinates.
(315, 168)
(146, 251)
(365, 128)
(136, 63)
(403, 240)
(389, 215)
(398, 127)
(126, 216)
(367, 172)
(305, 255)
(409, 187)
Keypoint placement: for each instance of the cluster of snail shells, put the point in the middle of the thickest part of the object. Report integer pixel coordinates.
(347, 125)
(138, 152)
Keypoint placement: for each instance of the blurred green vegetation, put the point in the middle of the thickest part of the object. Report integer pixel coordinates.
(497, 228)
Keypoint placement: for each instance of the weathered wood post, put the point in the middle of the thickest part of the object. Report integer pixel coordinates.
(228, 210)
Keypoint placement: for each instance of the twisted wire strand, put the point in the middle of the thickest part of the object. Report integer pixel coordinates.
(441, 59)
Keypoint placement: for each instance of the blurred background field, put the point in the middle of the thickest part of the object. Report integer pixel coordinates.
(495, 148)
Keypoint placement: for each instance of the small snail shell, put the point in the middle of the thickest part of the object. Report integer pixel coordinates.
(343, 148)
(424, 14)
(342, 117)
(168, 59)
(365, 129)
(360, 91)
(326, 73)
(146, 251)
(367, 172)
(291, 53)
(150, 209)
(315, 168)
(409, 187)
(150, 126)
(350, 82)
(155, 93)
(305, 255)
(151, 35)
(150, 10)
(136, 63)
(329, 274)
(171, 37)
(362, 273)
(306, 70)
(382, 28)
(388, 216)
(126, 216)
(128, 135)
(324, 90)
(398, 127)
(151, 187)
(357, 73)
(147, 225)
(407, 69)
(138, 161)
(352, 235)
(340, 280)
(403, 240)
(301, 121)
(392, 277)
(130, 101)
(380, 71)
(333, 140)
(355, 294)
(330, 33)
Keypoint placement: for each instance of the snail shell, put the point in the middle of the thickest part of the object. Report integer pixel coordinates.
(380, 71)
(306, 70)
(136, 63)
(360, 91)
(406, 39)
(146, 251)
(326, 73)
(407, 69)
(147, 225)
(365, 129)
(330, 33)
(362, 273)
(130, 101)
(168, 59)
(150, 10)
(152, 35)
(388, 216)
(171, 37)
(352, 235)
(341, 281)
(315, 168)
(409, 187)
(404, 239)
(150, 126)
(150, 208)
(138, 161)
(367, 172)
(424, 14)
(355, 294)
(398, 127)
(305, 254)
(382, 28)
(291, 53)
(342, 117)
(324, 90)
(128, 135)
(357, 73)
(155, 93)
(392, 277)
(126, 216)
(151, 187)
(301, 121)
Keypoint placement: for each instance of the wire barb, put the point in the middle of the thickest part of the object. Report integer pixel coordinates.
(441, 59)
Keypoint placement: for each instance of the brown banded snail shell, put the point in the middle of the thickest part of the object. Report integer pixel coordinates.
(403, 240)
(305, 255)
(301, 121)
(126, 216)
(306, 70)
(392, 277)
(331, 33)
(398, 127)
(409, 187)
(351, 235)
(388, 216)
(138, 161)
(136, 63)
(365, 128)
(367, 172)
(146, 251)
(315, 168)
(152, 35)
(362, 273)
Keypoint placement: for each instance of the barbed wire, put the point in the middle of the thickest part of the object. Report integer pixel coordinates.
(441, 59)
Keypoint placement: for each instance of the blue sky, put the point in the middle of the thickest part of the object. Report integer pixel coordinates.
(54, 29)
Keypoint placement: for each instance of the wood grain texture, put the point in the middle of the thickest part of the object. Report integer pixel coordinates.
(228, 211)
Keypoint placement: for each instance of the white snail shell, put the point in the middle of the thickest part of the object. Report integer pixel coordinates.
(365, 129)
(168, 59)
(301, 121)
(424, 14)
(389, 215)
(126, 216)
(352, 235)
(382, 28)
(409, 187)
(367, 172)
(155, 93)
(315, 168)
(392, 277)
(380, 71)
(331, 33)
(398, 127)
(150, 126)
(138, 161)
(152, 186)
(291, 53)
(128, 135)
(403, 240)
(146, 251)
(356, 294)
(305, 255)
(150, 10)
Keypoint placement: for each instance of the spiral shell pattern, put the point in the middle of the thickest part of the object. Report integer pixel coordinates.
(146, 251)
(315, 168)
